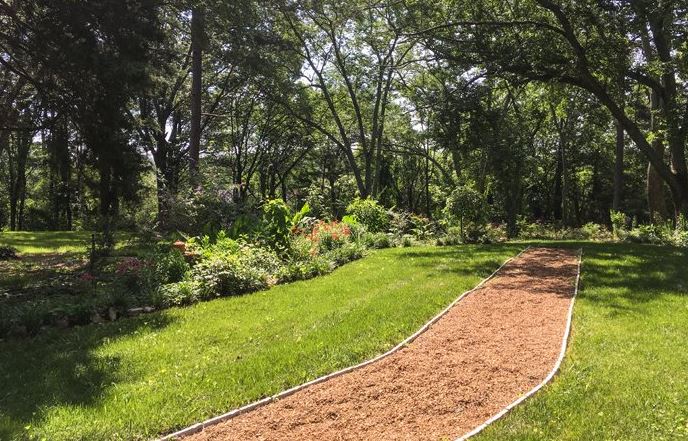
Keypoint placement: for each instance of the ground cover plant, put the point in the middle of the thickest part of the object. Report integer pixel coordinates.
(142, 376)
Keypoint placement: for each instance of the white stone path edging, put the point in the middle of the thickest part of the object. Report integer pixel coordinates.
(552, 373)
(233, 413)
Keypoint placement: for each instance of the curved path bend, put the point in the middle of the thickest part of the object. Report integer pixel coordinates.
(487, 351)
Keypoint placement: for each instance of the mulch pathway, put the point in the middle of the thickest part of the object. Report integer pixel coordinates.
(492, 347)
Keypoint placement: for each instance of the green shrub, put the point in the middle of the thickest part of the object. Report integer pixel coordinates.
(306, 269)
(137, 277)
(177, 294)
(346, 253)
(467, 208)
(369, 213)
(171, 266)
(377, 240)
(618, 223)
(357, 229)
(224, 274)
(651, 234)
(680, 238)
(451, 237)
(406, 241)
(495, 233)
(422, 227)
(301, 248)
(589, 231)
(276, 224)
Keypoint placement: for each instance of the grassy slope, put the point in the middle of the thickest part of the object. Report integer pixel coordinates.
(625, 376)
(138, 377)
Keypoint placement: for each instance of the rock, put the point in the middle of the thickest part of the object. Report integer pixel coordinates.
(148, 309)
(133, 312)
(112, 314)
(97, 318)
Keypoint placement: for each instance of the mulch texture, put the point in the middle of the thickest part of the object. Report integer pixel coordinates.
(493, 346)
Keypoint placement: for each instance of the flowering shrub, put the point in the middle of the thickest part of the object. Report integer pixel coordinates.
(327, 236)
(136, 276)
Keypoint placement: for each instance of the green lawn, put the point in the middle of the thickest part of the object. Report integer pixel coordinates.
(136, 378)
(625, 375)
(53, 242)
(46, 242)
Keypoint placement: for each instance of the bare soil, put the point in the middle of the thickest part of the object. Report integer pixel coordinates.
(492, 347)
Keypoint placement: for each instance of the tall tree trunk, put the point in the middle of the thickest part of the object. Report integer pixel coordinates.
(618, 168)
(197, 45)
(656, 201)
(18, 180)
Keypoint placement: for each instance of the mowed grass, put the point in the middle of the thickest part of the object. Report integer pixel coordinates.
(138, 378)
(625, 375)
(53, 242)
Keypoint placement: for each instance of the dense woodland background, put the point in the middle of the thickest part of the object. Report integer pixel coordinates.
(188, 115)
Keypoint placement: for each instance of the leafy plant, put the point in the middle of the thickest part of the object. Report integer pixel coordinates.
(618, 222)
(171, 266)
(276, 224)
(468, 208)
(369, 213)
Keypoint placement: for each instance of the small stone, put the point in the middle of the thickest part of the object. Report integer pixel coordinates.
(135, 311)
(148, 309)
(96, 318)
(112, 314)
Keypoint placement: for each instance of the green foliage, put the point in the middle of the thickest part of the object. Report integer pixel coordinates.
(346, 253)
(618, 223)
(466, 205)
(171, 267)
(370, 214)
(316, 265)
(276, 224)
(299, 216)
(177, 294)
(225, 274)
(377, 240)
(651, 234)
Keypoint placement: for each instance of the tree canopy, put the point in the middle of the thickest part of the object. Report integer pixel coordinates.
(185, 115)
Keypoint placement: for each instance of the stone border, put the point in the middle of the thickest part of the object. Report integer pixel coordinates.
(233, 413)
(549, 377)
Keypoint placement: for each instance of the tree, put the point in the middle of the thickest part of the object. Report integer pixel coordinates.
(593, 46)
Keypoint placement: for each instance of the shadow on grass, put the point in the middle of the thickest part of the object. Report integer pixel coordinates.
(62, 368)
(624, 277)
(464, 260)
